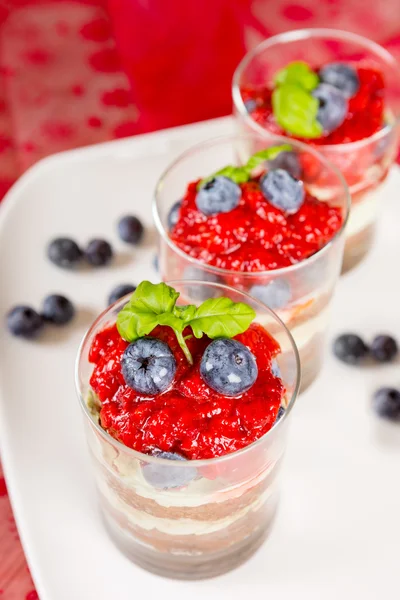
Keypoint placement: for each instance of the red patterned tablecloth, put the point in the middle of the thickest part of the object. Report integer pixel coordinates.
(74, 73)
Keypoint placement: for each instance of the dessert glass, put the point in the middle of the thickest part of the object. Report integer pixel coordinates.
(310, 283)
(226, 510)
(364, 163)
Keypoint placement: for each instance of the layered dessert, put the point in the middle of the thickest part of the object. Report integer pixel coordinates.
(260, 228)
(340, 107)
(186, 407)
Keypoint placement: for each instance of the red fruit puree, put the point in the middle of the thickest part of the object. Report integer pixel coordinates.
(255, 236)
(365, 114)
(189, 418)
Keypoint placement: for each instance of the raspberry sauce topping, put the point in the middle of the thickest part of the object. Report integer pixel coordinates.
(363, 117)
(189, 418)
(256, 235)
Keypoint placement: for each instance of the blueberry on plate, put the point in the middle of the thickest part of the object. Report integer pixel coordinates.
(168, 476)
(288, 161)
(384, 348)
(120, 291)
(228, 367)
(219, 195)
(98, 253)
(58, 309)
(342, 76)
(130, 229)
(64, 253)
(386, 403)
(24, 322)
(332, 108)
(350, 348)
(282, 190)
(173, 215)
(275, 294)
(148, 366)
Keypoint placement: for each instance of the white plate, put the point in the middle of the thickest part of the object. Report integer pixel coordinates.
(338, 531)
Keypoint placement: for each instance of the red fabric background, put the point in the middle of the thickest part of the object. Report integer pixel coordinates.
(74, 73)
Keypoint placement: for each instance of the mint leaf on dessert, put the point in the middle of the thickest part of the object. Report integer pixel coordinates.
(186, 313)
(220, 317)
(150, 305)
(297, 73)
(237, 174)
(295, 110)
(268, 154)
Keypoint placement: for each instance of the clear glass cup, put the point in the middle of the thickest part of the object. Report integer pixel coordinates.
(224, 507)
(365, 163)
(306, 288)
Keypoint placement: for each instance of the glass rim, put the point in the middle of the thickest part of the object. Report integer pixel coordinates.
(300, 34)
(198, 462)
(253, 274)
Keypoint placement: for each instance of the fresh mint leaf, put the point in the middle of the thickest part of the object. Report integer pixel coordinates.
(237, 174)
(220, 317)
(297, 73)
(155, 304)
(186, 313)
(267, 154)
(151, 305)
(295, 110)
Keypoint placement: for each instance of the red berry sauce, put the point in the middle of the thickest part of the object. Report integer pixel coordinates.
(189, 418)
(365, 114)
(255, 236)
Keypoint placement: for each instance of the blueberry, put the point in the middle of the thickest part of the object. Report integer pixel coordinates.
(64, 252)
(275, 294)
(350, 348)
(220, 195)
(173, 215)
(250, 105)
(148, 366)
(386, 402)
(341, 76)
(228, 367)
(130, 229)
(276, 372)
(58, 309)
(333, 106)
(156, 263)
(196, 292)
(25, 322)
(166, 477)
(280, 414)
(120, 291)
(282, 190)
(384, 348)
(98, 253)
(288, 161)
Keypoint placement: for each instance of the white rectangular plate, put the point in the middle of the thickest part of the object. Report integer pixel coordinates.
(338, 530)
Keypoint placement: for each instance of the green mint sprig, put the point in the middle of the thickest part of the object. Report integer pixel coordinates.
(294, 107)
(297, 73)
(155, 304)
(243, 174)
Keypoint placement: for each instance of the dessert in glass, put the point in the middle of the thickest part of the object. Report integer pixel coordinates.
(336, 91)
(261, 223)
(186, 406)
